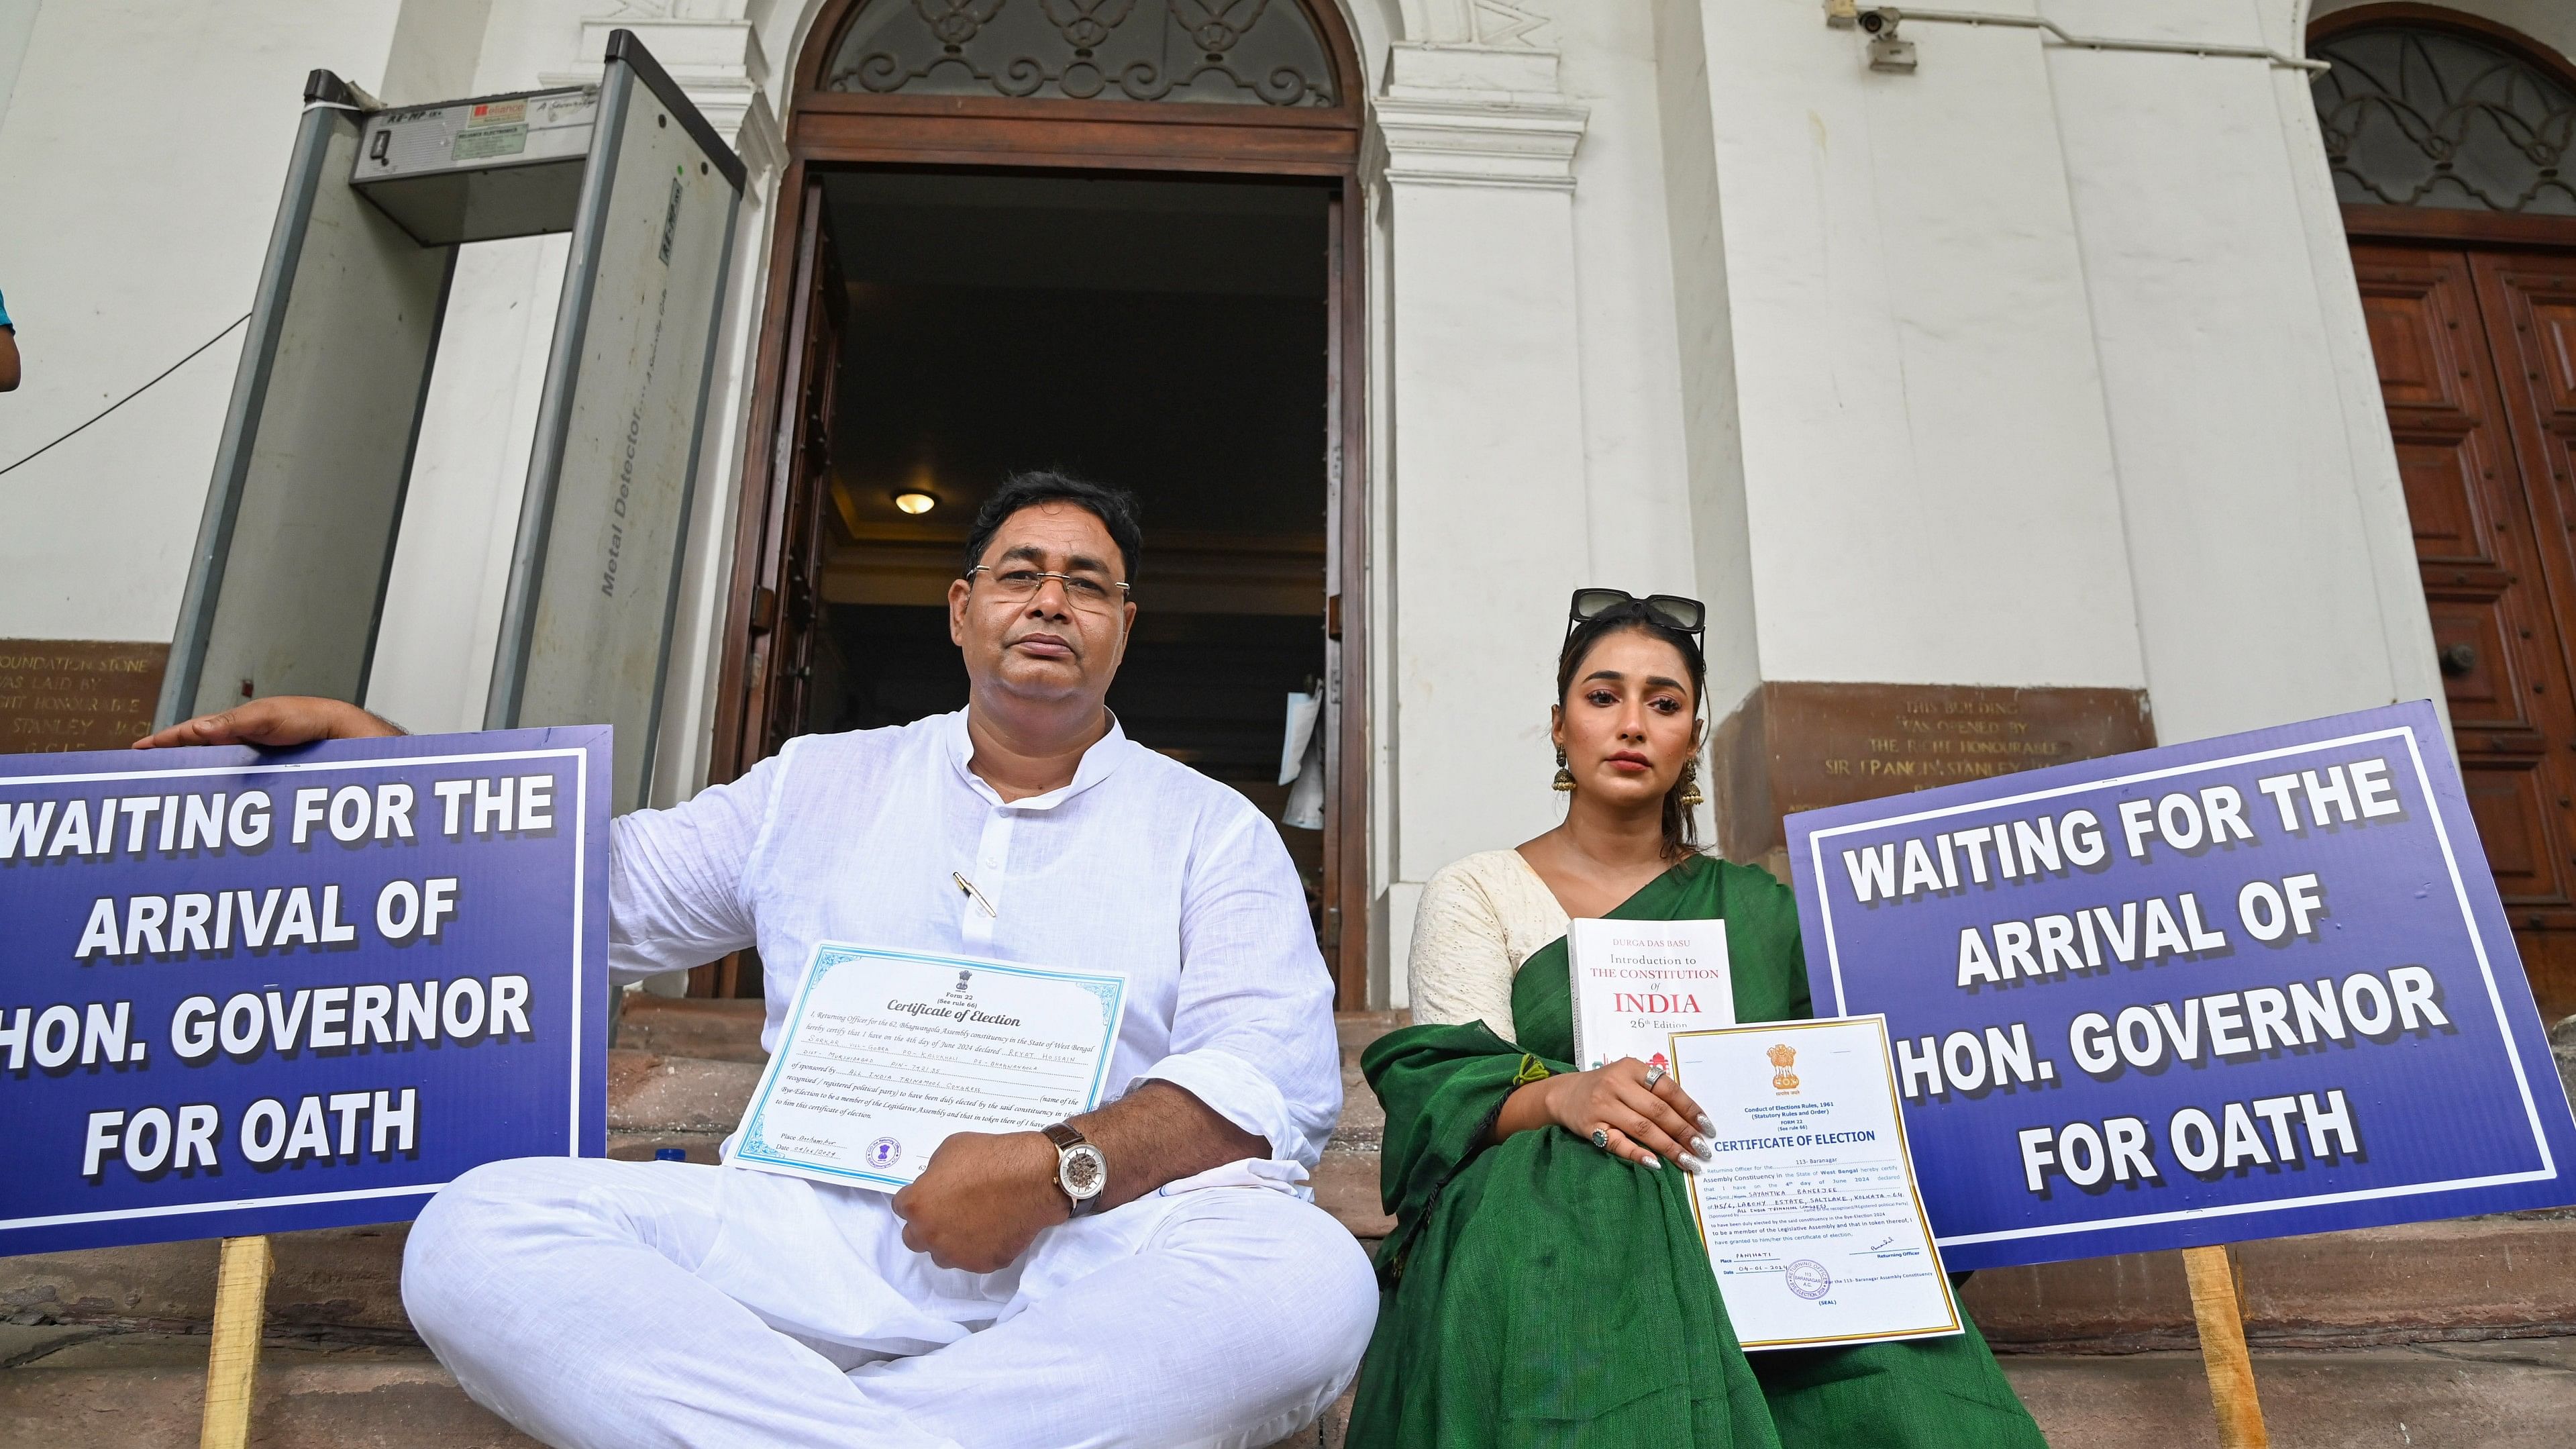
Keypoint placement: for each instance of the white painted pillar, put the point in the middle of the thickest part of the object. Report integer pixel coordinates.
(1487, 518)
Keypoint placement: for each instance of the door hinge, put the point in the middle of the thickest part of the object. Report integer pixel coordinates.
(764, 609)
(1332, 928)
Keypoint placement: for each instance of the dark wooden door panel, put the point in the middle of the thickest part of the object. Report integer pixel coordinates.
(778, 610)
(2441, 476)
(2415, 326)
(2552, 337)
(2528, 301)
(2513, 825)
(2477, 359)
(2467, 636)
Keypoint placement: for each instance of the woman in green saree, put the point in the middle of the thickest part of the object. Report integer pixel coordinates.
(1545, 1284)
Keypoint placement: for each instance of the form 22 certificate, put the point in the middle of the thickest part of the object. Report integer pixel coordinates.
(1809, 1208)
(885, 1053)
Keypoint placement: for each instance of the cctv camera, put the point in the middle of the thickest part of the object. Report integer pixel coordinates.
(1878, 21)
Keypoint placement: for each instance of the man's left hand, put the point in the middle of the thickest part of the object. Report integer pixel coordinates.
(982, 1200)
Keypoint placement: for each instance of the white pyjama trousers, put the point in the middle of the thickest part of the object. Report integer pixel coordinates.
(639, 1304)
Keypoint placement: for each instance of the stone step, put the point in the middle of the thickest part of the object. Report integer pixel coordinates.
(86, 1390)
(2489, 1278)
(340, 1284)
(1346, 1180)
(2509, 1394)
(716, 1031)
(685, 1095)
(2416, 1282)
(92, 1391)
(130, 1389)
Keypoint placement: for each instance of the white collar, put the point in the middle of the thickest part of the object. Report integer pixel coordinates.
(1098, 763)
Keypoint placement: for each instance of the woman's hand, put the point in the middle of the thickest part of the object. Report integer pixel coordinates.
(1638, 1122)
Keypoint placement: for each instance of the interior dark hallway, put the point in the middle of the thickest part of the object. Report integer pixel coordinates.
(1168, 337)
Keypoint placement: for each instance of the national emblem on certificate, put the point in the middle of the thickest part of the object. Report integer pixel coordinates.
(885, 1053)
(1808, 1206)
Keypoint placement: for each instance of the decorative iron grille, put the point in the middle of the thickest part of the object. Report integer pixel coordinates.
(2415, 116)
(1234, 52)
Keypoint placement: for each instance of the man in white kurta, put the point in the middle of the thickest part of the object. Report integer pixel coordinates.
(638, 1304)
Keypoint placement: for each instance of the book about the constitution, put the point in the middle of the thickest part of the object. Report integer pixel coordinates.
(1637, 982)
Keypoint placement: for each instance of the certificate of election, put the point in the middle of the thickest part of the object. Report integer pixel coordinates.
(1808, 1206)
(887, 1052)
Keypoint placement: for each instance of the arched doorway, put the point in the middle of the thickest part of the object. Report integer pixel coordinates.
(1117, 236)
(2450, 140)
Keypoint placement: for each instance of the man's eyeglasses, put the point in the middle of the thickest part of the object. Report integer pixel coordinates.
(1084, 592)
(1689, 616)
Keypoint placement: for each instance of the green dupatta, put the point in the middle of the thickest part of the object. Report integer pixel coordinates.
(1539, 1292)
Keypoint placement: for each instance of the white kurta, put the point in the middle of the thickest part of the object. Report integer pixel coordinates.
(631, 1304)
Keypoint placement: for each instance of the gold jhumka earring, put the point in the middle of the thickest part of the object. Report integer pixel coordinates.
(1691, 798)
(1564, 781)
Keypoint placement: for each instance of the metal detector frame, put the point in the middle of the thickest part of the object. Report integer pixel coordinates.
(295, 548)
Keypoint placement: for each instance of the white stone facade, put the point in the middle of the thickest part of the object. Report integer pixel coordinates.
(2039, 365)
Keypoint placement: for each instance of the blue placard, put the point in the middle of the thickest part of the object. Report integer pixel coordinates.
(295, 988)
(2234, 989)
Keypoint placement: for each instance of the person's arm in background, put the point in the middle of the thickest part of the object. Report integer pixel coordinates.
(276, 721)
(8, 350)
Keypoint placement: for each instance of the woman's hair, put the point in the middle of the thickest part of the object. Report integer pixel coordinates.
(1681, 832)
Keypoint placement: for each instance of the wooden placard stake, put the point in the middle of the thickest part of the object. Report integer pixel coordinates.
(232, 1362)
(2221, 1315)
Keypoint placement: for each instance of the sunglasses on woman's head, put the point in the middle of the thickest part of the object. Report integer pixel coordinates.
(1670, 610)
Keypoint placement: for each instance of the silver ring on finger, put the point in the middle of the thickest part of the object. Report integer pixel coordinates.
(1654, 1074)
(1601, 1138)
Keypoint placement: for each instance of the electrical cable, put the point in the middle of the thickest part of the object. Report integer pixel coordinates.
(1889, 17)
(129, 397)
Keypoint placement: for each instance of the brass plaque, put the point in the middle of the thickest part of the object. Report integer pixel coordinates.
(1793, 747)
(77, 694)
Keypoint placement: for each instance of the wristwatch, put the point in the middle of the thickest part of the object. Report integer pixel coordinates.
(1080, 1169)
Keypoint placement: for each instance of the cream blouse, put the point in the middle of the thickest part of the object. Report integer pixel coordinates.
(1478, 920)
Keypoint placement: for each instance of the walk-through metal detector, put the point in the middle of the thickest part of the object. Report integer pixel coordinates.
(287, 587)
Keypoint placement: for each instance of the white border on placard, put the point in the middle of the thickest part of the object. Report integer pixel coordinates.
(2477, 941)
(580, 841)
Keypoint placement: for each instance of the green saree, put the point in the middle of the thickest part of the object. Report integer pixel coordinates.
(1541, 1292)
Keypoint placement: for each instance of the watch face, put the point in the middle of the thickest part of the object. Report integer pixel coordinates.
(1083, 1172)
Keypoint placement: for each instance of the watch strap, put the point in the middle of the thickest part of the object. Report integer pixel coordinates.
(1064, 1135)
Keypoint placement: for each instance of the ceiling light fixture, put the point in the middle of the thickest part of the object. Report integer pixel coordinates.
(913, 500)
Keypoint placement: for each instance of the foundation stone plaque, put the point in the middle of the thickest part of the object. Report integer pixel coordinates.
(1799, 746)
(76, 694)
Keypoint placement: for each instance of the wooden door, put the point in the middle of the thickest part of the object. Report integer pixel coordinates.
(838, 117)
(2477, 364)
(1343, 931)
(780, 555)
(788, 601)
